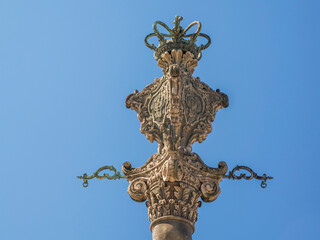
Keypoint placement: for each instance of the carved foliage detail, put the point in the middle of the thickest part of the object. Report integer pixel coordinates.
(178, 199)
(187, 60)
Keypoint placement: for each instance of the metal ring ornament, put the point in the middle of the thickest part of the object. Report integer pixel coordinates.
(177, 34)
(193, 36)
(161, 35)
(85, 183)
(202, 47)
(151, 46)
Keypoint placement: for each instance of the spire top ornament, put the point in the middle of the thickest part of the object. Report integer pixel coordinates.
(176, 111)
(178, 39)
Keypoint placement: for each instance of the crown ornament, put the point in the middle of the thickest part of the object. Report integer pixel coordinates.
(178, 39)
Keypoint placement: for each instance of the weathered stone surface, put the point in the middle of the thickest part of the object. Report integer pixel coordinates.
(171, 229)
(176, 110)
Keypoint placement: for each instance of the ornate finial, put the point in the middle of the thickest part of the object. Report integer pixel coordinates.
(178, 39)
(176, 111)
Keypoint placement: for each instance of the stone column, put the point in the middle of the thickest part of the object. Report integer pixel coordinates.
(171, 229)
(176, 111)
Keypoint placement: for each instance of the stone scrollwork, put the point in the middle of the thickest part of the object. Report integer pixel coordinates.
(172, 183)
(137, 189)
(210, 190)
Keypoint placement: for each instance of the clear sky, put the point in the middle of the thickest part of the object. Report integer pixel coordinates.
(66, 68)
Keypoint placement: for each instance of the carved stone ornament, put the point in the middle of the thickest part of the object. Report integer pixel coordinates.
(176, 111)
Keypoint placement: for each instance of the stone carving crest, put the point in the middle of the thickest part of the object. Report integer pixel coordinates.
(176, 111)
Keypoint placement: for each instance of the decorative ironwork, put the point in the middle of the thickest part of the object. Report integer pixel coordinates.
(116, 175)
(178, 39)
(234, 176)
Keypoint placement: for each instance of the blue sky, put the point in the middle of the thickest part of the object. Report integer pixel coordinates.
(66, 68)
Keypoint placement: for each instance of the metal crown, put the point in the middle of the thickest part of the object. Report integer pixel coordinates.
(178, 39)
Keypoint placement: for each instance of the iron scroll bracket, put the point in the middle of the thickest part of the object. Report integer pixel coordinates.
(116, 175)
(232, 175)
